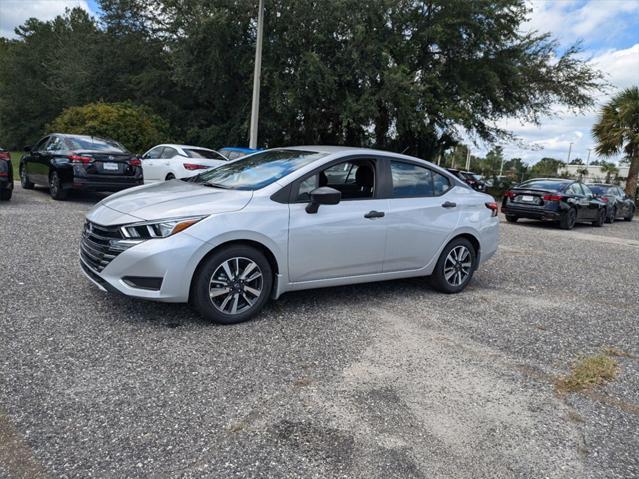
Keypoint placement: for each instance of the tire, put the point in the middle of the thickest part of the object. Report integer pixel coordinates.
(599, 222)
(169, 177)
(630, 215)
(449, 259)
(24, 179)
(512, 218)
(55, 187)
(568, 220)
(5, 194)
(212, 277)
(612, 216)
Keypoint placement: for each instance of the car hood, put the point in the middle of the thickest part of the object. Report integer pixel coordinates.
(170, 199)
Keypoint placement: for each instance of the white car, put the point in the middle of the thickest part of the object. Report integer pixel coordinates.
(289, 219)
(167, 162)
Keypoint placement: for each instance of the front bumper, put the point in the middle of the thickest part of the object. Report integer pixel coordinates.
(174, 259)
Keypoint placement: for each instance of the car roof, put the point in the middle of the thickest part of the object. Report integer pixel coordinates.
(175, 145)
(601, 184)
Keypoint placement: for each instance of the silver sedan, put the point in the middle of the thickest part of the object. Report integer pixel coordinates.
(288, 219)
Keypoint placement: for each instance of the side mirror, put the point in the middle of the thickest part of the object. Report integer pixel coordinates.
(27, 149)
(324, 195)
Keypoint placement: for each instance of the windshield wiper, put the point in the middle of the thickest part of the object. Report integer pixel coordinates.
(215, 185)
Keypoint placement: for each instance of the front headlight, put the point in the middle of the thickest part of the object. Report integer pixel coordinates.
(159, 228)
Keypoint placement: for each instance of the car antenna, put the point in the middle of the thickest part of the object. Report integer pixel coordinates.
(404, 150)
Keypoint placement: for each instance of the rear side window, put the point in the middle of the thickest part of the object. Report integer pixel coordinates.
(201, 153)
(169, 153)
(411, 180)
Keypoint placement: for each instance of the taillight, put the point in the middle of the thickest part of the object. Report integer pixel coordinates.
(604, 199)
(83, 160)
(135, 162)
(193, 166)
(5, 155)
(492, 206)
(509, 194)
(553, 197)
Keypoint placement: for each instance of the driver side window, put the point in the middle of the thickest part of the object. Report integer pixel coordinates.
(355, 179)
(154, 154)
(41, 144)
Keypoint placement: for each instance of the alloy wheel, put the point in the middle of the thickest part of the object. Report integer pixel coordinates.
(457, 266)
(236, 285)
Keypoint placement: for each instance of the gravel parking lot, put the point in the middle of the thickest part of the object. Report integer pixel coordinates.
(370, 381)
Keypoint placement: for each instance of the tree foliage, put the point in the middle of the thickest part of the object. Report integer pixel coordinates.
(617, 131)
(405, 75)
(136, 127)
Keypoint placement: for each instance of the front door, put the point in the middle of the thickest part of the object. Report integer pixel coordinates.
(347, 239)
(151, 167)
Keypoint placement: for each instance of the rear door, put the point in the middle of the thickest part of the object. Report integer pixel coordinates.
(151, 164)
(422, 214)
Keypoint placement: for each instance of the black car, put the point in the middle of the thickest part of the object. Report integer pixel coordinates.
(78, 162)
(618, 204)
(6, 175)
(471, 179)
(554, 199)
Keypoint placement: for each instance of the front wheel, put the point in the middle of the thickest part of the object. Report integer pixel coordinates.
(630, 215)
(455, 267)
(613, 215)
(232, 285)
(568, 219)
(601, 218)
(55, 187)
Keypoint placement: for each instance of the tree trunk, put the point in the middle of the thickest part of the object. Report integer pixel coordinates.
(631, 181)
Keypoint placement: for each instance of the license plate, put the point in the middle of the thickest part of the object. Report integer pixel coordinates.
(527, 198)
(110, 166)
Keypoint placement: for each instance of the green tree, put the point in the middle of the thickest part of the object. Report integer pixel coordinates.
(136, 127)
(617, 131)
(576, 161)
(546, 168)
(609, 169)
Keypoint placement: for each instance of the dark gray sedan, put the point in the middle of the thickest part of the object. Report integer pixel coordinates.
(618, 204)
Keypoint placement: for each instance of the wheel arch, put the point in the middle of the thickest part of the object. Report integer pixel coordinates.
(265, 250)
(473, 241)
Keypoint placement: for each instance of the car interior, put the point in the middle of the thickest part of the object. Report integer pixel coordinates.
(355, 179)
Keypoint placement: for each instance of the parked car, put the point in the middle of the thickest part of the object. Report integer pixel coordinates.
(618, 204)
(554, 199)
(167, 162)
(235, 152)
(471, 179)
(79, 162)
(6, 175)
(284, 220)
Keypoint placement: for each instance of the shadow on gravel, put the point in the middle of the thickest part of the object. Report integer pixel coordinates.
(80, 197)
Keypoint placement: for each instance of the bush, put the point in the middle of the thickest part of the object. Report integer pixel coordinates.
(136, 127)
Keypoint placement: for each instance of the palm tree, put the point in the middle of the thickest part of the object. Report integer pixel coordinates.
(617, 130)
(609, 169)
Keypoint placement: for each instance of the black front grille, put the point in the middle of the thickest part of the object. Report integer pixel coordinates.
(95, 248)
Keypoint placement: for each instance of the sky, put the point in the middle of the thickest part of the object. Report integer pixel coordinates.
(607, 29)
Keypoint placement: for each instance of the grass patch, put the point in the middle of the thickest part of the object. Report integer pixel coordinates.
(587, 373)
(617, 353)
(15, 163)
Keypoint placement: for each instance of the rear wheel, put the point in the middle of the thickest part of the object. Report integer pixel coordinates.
(5, 194)
(512, 218)
(55, 187)
(455, 267)
(568, 219)
(601, 219)
(24, 179)
(170, 177)
(630, 215)
(232, 285)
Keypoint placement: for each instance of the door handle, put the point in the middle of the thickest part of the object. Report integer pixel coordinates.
(449, 204)
(374, 214)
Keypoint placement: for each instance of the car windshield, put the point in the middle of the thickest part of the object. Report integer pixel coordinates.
(599, 190)
(93, 143)
(202, 153)
(544, 185)
(258, 170)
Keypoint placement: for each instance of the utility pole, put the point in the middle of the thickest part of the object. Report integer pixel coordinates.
(588, 158)
(468, 159)
(255, 107)
(569, 150)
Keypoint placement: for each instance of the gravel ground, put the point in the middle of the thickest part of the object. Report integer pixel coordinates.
(370, 381)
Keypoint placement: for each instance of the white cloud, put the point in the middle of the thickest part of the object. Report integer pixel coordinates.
(15, 12)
